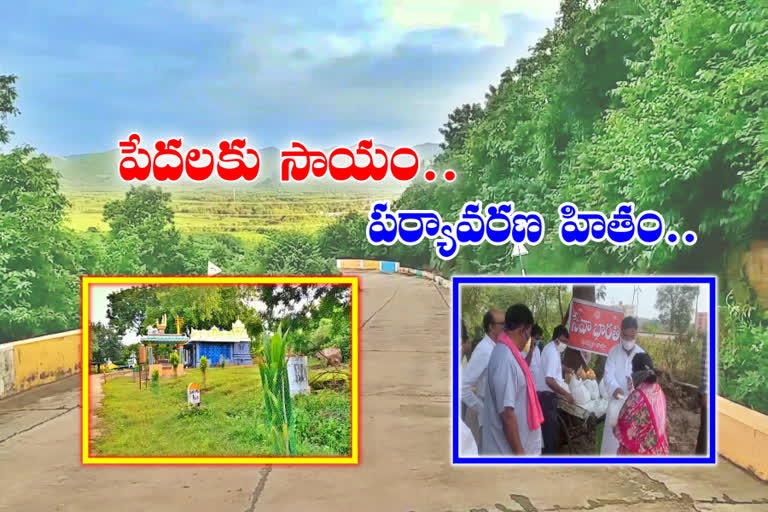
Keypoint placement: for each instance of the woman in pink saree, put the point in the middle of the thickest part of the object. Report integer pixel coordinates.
(642, 425)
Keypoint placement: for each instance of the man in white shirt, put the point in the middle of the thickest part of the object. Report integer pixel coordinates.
(475, 373)
(533, 355)
(550, 384)
(617, 377)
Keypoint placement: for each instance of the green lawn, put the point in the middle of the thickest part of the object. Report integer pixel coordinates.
(230, 420)
(249, 215)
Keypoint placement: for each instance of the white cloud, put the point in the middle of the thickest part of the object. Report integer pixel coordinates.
(482, 17)
(295, 37)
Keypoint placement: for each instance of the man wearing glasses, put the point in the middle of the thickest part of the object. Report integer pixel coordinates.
(473, 379)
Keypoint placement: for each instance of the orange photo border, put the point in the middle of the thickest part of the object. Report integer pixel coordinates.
(352, 281)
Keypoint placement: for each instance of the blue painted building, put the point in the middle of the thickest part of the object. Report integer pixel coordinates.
(233, 345)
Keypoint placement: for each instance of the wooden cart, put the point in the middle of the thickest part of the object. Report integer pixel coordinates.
(576, 422)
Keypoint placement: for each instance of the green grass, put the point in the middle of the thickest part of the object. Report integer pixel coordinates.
(249, 215)
(230, 420)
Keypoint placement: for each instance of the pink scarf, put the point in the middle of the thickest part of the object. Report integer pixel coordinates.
(535, 416)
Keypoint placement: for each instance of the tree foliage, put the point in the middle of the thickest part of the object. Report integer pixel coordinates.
(105, 344)
(143, 238)
(7, 105)
(675, 305)
(38, 289)
(658, 102)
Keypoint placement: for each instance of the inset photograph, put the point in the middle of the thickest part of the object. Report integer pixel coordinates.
(583, 371)
(220, 370)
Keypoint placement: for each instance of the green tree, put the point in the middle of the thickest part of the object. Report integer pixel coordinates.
(202, 307)
(675, 305)
(143, 237)
(105, 344)
(455, 130)
(295, 253)
(126, 309)
(38, 290)
(7, 105)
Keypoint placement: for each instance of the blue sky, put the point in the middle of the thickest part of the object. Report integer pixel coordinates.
(92, 72)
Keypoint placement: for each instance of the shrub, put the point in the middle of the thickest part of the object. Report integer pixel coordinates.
(277, 395)
(174, 360)
(203, 367)
(743, 355)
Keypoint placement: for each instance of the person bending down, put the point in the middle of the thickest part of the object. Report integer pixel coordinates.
(642, 425)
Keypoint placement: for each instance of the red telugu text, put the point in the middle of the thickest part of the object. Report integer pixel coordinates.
(197, 164)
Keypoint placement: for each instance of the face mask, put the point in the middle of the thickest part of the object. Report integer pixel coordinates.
(628, 344)
(561, 347)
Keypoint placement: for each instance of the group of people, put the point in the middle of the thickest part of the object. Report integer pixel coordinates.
(510, 387)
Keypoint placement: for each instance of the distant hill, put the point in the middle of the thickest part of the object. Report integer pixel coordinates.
(99, 171)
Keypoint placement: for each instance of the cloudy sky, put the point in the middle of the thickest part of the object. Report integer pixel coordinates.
(646, 298)
(92, 72)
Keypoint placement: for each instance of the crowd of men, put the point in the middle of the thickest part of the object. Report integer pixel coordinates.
(510, 395)
(510, 387)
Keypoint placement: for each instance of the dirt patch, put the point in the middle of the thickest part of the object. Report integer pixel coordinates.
(683, 416)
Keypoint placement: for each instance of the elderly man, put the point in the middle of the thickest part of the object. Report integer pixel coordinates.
(511, 412)
(474, 374)
(617, 375)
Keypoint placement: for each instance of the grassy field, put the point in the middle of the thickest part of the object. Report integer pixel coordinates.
(679, 357)
(230, 420)
(248, 215)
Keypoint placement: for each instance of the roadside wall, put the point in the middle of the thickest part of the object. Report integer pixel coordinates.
(29, 363)
(743, 436)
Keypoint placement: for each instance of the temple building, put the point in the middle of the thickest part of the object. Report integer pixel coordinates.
(234, 345)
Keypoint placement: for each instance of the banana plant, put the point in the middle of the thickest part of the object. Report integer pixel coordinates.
(277, 395)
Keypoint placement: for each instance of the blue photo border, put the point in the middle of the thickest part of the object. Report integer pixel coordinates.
(457, 281)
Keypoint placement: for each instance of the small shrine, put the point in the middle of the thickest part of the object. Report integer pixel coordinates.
(234, 345)
(157, 336)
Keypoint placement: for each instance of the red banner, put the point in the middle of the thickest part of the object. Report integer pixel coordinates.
(593, 327)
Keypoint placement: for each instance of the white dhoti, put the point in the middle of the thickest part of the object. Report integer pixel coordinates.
(610, 445)
(473, 422)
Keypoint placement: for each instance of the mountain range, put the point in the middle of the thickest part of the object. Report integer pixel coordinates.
(100, 172)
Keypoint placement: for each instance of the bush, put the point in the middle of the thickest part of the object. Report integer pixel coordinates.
(743, 355)
(203, 367)
(175, 360)
(333, 432)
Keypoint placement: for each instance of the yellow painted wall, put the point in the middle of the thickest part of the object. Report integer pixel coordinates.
(743, 437)
(45, 359)
(356, 264)
(370, 265)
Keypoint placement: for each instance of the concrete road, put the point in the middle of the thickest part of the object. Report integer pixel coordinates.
(405, 448)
